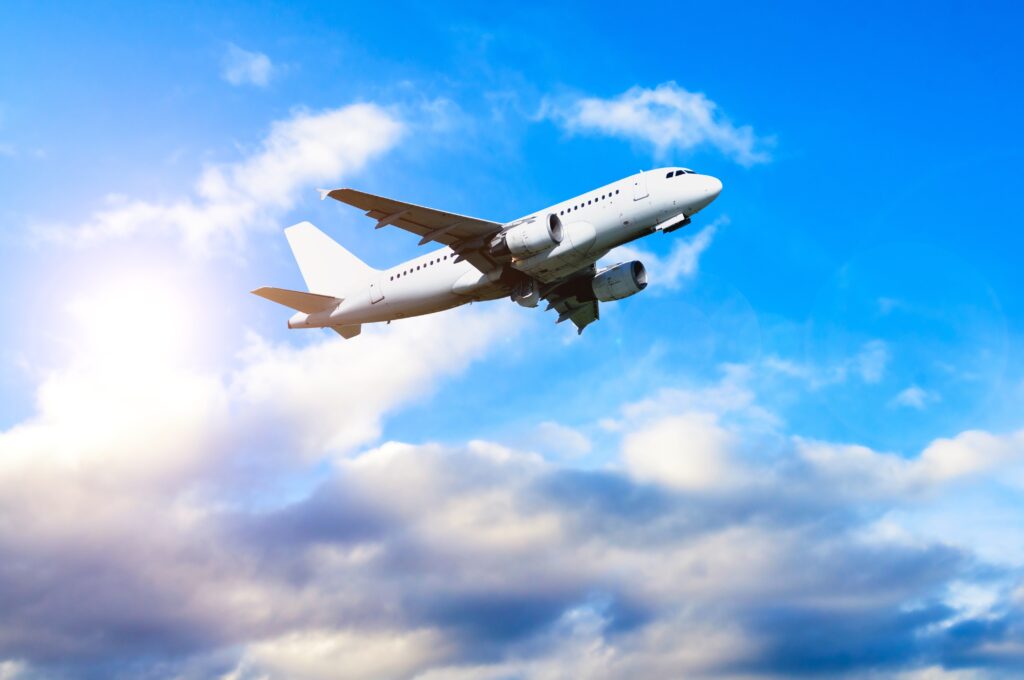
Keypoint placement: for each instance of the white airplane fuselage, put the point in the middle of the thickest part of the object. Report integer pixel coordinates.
(593, 224)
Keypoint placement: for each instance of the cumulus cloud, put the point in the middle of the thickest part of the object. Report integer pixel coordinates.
(231, 199)
(113, 494)
(667, 118)
(242, 67)
(690, 451)
(693, 554)
(339, 654)
(524, 568)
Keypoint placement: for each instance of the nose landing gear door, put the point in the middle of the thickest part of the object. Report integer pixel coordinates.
(639, 186)
(376, 294)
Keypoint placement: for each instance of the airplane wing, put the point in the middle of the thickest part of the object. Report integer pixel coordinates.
(562, 298)
(465, 235)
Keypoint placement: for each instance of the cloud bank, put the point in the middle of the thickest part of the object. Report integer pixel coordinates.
(188, 533)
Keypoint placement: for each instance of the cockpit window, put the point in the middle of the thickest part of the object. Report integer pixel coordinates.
(679, 172)
(669, 174)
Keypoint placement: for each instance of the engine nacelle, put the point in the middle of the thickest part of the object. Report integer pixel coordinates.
(529, 238)
(620, 281)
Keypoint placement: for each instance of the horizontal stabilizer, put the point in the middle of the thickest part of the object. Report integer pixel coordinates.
(348, 332)
(310, 303)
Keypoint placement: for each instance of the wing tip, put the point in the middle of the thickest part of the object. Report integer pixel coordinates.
(333, 193)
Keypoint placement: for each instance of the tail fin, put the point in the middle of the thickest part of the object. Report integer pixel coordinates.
(327, 268)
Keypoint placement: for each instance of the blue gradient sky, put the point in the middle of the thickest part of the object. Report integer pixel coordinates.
(836, 381)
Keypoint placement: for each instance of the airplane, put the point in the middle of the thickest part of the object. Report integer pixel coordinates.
(548, 255)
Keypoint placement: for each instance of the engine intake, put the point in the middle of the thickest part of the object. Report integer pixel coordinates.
(529, 238)
(620, 281)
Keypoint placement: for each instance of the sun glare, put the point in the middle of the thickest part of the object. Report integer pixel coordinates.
(135, 319)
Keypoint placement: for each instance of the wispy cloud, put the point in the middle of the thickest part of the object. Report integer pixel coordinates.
(869, 363)
(667, 118)
(242, 67)
(678, 266)
(230, 199)
(561, 439)
(914, 397)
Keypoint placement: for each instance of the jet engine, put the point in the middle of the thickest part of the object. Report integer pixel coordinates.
(529, 238)
(620, 281)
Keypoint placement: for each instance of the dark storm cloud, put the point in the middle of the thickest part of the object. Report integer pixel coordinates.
(996, 642)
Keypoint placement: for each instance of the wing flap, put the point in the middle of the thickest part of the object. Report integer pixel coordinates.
(582, 314)
(564, 298)
(348, 332)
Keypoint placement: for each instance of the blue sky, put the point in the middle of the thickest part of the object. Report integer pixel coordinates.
(800, 450)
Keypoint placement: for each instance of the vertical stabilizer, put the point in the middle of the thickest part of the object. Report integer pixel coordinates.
(326, 266)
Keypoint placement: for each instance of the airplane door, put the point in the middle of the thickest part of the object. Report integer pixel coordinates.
(639, 186)
(376, 294)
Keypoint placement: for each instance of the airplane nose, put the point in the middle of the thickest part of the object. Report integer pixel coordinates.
(714, 187)
(707, 189)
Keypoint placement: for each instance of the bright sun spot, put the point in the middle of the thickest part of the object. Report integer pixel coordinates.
(135, 320)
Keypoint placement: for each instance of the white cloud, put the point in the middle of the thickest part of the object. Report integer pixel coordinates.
(472, 560)
(667, 117)
(863, 471)
(231, 199)
(678, 266)
(690, 451)
(562, 440)
(12, 670)
(970, 453)
(241, 67)
(914, 397)
(116, 481)
(869, 363)
(353, 653)
(872, 360)
(333, 393)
